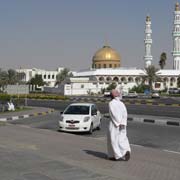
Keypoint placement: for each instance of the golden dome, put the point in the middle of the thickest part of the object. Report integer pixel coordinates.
(106, 57)
(106, 53)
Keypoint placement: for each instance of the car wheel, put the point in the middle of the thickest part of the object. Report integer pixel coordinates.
(91, 129)
(99, 127)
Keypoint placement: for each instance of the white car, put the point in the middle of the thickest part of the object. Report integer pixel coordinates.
(80, 117)
(155, 95)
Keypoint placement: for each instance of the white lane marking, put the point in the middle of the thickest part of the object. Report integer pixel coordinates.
(174, 152)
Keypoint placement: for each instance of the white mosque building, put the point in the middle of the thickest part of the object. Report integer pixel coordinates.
(106, 67)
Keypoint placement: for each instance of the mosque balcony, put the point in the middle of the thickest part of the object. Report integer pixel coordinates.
(176, 53)
(148, 31)
(176, 34)
(176, 22)
(148, 41)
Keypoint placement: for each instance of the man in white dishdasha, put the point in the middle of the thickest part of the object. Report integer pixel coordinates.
(117, 142)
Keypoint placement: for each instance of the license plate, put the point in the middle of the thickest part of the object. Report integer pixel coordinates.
(72, 125)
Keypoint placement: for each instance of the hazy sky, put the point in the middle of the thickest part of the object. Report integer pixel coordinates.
(51, 33)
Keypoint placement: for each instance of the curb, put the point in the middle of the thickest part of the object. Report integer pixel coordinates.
(127, 102)
(26, 116)
(150, 120)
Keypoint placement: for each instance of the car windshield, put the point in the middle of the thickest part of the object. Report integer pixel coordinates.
(74, 109)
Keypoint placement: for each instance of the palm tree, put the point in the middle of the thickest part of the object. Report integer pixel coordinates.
(162, 61)
(62, 76)
(150, 76)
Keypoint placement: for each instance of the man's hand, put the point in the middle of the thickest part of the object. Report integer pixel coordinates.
(121, 127)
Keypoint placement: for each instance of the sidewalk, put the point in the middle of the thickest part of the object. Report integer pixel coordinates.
(36, 154)
(32, 111)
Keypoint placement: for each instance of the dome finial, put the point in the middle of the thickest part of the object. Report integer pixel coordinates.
(177, 7)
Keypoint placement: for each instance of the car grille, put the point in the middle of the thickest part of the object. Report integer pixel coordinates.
(72, 121)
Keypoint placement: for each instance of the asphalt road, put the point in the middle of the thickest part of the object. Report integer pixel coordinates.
(148, 135)
(143, 109)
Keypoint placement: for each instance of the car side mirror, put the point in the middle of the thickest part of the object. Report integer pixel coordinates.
(94, 113)
(61, 112)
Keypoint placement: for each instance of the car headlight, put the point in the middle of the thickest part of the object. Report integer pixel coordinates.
(61, 118)
(86, 119)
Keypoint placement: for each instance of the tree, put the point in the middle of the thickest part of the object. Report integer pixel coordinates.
(162, 61)
(111, 86)
(178, 81)
(3, 79)
(150, 76)
(12, 76)
(37, 80)
(62, 76)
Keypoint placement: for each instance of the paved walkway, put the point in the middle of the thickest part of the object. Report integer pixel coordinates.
(37, 154)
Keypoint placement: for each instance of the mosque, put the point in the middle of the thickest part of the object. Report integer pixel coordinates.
(106, 68)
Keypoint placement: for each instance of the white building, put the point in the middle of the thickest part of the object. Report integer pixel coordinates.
(49, 77)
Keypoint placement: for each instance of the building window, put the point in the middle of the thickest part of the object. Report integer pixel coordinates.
(104, 65)
(53, 76)
(99, 65)
(130, 79)
(108, 79)
(82, 86)
(116, 79)
(115, 65)
(101, 78)
(45, 76)
(110, 65)
(49, 76)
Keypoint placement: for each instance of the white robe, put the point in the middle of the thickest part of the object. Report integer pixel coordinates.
(117, 141)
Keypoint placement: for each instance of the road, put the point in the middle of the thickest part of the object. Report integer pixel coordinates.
(142, 109)
(148, 135)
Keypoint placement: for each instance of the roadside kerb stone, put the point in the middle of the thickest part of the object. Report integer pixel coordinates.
(11, 118)
(151, 119)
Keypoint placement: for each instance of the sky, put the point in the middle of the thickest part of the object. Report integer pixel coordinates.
(47, 34)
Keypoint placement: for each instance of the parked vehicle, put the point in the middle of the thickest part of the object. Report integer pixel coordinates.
(155, 95)
(173, 91)
(80, 117)
(132, 94)
(107, 94)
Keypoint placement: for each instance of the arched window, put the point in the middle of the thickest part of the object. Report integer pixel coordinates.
(137, 79)
(130, 79)
(108, 78)
(116, 79)
(123, 79)
(101, 78)
(172, 80)
(165, 79)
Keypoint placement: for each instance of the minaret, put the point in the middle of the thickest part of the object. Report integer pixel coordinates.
(176, 38)
(148, 43)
